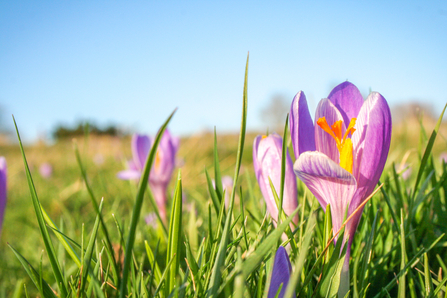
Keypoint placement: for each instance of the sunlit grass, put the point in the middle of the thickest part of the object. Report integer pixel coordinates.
(399, 248)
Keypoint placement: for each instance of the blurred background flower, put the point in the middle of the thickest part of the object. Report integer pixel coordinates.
(46, 170)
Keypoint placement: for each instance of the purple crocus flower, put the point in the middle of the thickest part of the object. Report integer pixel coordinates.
(443, 157)
(267, 152)
(227, 184)
(404, 170)
(162, 169)
(46, 170)
(341, 157)
(282, 269)
(2, 190)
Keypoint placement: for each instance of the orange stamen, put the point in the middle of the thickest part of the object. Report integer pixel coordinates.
(157, 160)
(344, 145)
(336, 128)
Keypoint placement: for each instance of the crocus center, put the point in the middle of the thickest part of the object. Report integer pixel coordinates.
(344, 144)
(157, 160)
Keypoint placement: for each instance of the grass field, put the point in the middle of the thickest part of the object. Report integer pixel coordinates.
(399, 250)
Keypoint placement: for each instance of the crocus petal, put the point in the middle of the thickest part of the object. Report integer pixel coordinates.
(330, 183)
(267, 154)
(164, 163)
(129, 175)
(141, 145)
(282, 269)
(325, 143)
(3, 182)
(301, 126)
(371, 143)
(348, 100)
(256, 163)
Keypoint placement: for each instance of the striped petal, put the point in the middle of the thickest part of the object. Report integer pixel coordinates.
(371, 143)
(330, 183)
(324, 142)
(267, 152)
(301, 126)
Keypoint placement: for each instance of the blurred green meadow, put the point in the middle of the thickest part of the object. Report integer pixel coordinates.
(382, 265)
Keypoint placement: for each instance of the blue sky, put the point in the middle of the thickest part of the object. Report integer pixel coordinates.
(131, 63)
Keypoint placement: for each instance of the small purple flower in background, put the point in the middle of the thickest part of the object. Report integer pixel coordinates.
(46, 170)
(151, 219)
(3, 182)
(267, 152)
(404, 170)
(443, 157)
(227, 184)
(162, 168)
(341, 158)
(282, 269)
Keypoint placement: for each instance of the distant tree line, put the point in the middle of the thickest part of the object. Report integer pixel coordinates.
(63, 132)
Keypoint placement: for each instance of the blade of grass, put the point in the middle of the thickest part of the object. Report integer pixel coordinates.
(157, 212)
(220, 258)
(137, 207)
(409, 264)
(41, 221)
(104, 230)
(89, 250)
(212, 192)
(283, 170)
(153, 262)
(34, 275)
(401, 289)
(217, 175)
(299, 264)
(268, 245)
(428, 149)
(175, 232)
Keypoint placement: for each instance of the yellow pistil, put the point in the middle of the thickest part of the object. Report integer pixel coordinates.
(344, 144)
(157, 160)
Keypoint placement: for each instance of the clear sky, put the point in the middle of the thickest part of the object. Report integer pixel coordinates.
(132, 62)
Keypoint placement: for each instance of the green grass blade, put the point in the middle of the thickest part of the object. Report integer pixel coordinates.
(41, 221)
(96, 207)
(267, 246)
(367, 257)
(428, 149)
(163, 277)
(239, 281)
(89, 250)
(220, 258)
(62, 238)
(153, 262)
(217, 174)
(302, 255)
(401, 289)
(427, 275)
(175, 232)
(408, 265)
(212, 191)
(18, 289)
(157, 212)
(283, 169)
(41, 284)
(137, 207)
